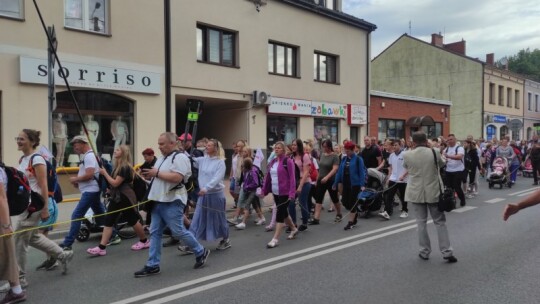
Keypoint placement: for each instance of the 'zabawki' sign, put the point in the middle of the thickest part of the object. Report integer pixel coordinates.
(34, 70)
(328, 110)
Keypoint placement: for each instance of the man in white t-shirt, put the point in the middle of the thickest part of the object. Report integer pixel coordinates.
(87, 182)
(397, 182)
(170, 198)
(455, 168)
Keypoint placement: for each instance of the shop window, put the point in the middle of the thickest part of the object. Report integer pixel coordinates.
(325, 129)
(503, 132)
(354, 134)
(87, 15)
(12, 8)
(216, 45)
(325, 67)
(282, 59)
(108, 118)
(280, 129)
(391, 129)
(433, 131)
(491, 132)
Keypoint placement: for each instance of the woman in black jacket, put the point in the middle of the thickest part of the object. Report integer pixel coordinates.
(472, 162)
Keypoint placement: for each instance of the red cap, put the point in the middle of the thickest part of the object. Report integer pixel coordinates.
(349, 145)
(148, 151)
(184, 134)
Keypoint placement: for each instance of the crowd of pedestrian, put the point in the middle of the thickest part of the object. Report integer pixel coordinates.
(297, 175)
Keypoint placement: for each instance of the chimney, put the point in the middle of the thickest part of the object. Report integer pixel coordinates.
(490, 58)
(437, 40)
(457, 47)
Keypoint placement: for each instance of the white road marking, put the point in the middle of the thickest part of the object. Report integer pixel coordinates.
(526, 190)
(303, 257)
(274, 267)
(527, 193)
(495, 200)
(464, 209)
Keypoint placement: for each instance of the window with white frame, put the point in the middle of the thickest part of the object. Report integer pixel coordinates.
(87, 15)
(12, 8)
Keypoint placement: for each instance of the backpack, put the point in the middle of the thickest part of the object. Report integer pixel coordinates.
(260, 177)
(313, 172)
(53, 186)
(192, 183)
(101, 181)
(18, 190)
(140, 187)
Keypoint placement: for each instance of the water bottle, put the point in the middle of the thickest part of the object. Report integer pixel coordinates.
(20, 190)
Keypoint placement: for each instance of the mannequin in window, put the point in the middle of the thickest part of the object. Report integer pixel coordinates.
(119, 131)
(93, 130)
(60, 138)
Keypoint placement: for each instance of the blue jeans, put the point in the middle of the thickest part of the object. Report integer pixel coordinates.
(513, 172)
(304, 208)
(169, 214)
(88, 200)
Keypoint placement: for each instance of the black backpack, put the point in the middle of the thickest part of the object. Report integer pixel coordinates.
(192, 183)
(140, 187)
(18, 190)
(102, 182)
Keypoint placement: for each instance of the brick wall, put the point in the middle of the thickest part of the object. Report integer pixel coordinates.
(403, 110)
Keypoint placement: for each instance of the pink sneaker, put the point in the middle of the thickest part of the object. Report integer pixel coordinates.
(140, 245)
(96, 251)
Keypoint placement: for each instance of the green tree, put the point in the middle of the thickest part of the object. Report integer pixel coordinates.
(526, 63)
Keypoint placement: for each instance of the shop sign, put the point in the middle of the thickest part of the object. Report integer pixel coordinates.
(357, 114)
(280, 105)
(328, 110)
(499, 119)
(34, 70)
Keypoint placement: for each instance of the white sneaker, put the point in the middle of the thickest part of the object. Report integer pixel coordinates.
(404, 214)
(240, 226)
(5, 287)
(261, 221)
(384, 215)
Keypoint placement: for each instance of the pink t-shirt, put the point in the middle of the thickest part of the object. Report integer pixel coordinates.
(306, 161)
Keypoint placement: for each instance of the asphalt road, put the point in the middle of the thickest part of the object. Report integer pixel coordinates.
(376, 262)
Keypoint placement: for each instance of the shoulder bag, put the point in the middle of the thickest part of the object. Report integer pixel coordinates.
(447, 201)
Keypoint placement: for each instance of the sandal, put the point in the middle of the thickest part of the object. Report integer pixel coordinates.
(140, 245)
(338, 218)
(96, 251)
(293, 234)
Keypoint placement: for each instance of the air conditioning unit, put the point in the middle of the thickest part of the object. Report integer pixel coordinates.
(260, 98)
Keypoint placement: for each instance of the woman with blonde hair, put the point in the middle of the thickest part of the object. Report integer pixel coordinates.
(209, 222)
(122, 197)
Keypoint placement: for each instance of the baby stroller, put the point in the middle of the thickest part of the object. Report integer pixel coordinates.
(90, 225)
(500, 174)
(371, 198)
(527, 168)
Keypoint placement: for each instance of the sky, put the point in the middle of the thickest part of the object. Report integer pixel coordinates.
(502, 27)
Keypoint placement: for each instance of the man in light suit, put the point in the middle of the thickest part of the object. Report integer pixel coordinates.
(423, 190)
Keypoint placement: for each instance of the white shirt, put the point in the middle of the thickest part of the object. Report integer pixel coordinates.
(396, 162)
(23, 167)
(3, 178)
(89, 161)
(161, 190)
(274, 176)
(455, 165)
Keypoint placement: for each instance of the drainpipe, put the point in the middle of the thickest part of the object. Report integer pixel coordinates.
(368, 77)
(167, 30)
(482, 124)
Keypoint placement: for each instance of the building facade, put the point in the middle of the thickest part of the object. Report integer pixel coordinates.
(503, 102)
(395, 116)
(306, 60)
(437, 71)
(531, 109)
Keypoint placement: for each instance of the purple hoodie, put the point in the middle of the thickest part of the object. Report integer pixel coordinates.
(286, 178)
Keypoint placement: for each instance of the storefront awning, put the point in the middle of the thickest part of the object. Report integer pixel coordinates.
(418, 121)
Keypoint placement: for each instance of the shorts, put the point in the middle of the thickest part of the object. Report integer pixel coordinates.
(53, 216)
(320, 191)
(247, 198)
(233, 186)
